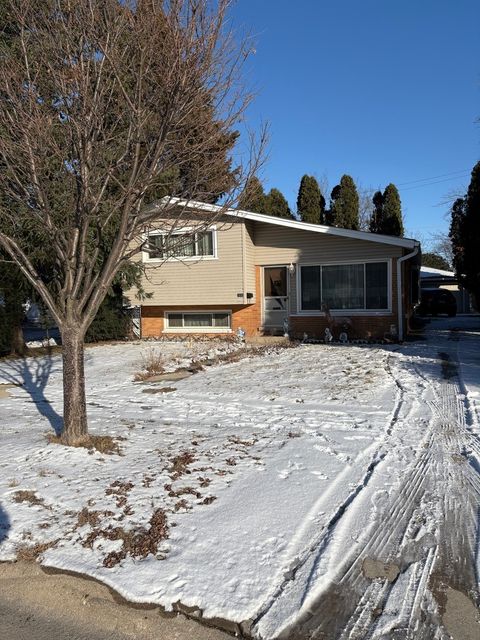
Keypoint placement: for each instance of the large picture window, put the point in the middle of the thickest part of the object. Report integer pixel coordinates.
(181, 245)
(201, 320)
(339, 287)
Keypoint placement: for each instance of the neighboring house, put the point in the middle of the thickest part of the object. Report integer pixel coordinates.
(431, 278)
(261, 274)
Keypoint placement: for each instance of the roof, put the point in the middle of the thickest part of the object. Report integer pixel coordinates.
(407, 243)
(430, 272)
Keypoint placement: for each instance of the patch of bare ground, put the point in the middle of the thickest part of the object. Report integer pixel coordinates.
(175, 493)
(136, 543)
(28, 496)
(120, 491)
(102, 444)
(180, 464)
(92, 518)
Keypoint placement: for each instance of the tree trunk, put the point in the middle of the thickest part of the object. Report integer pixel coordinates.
(17, 341)
(74, 403)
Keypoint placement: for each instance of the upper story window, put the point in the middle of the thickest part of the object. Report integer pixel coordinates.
(181, 245)
(357, 287)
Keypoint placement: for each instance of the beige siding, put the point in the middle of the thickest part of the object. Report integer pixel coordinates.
(282, 245)
(199, 282)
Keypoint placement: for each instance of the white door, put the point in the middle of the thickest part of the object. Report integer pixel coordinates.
(275, 297)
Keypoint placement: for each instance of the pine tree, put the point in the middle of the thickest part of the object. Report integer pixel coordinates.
(276, 204)
(310, 201)
(344, 205)
(377, 215)
(253, 196)
(387, 216)
(392, 212)
(465, 237)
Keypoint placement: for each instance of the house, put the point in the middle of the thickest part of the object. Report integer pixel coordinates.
(431, 278)
(262, 274)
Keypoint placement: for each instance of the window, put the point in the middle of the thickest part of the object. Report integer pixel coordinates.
(275, 282)
(344, 286)
(311, 298)
(376, 289)
(162, 246)
(201, 320)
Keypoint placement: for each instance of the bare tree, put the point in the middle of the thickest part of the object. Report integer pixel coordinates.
(442, 245)
(105, 107)
(365, 208)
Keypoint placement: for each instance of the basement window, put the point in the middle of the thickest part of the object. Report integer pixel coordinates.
(199, 321)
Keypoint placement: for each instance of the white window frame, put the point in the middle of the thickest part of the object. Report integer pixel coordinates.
(178, 232)
(344, 312)
(168, 329)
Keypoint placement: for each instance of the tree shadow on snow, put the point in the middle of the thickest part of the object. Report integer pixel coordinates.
(4, 524)
(32, 374)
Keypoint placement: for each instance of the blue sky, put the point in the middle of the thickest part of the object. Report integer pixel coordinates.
(384, 90)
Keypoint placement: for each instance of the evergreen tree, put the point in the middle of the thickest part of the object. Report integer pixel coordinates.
(465, 237)
(344, 205)
(253, 196)
(276, 204)
(377, 215)
(387, 216)
(310, 201)
(392, 212)
(435, 261)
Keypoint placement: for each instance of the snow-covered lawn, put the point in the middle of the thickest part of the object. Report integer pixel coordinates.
(225, 483)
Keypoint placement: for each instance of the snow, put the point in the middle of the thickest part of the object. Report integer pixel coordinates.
(430, 272)
(295, 456)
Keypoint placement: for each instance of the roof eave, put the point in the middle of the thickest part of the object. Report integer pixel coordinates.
(407, 243)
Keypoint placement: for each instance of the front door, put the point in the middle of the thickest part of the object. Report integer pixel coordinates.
(275, 297)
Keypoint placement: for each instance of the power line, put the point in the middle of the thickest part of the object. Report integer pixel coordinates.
(428, 184)
(442, 175)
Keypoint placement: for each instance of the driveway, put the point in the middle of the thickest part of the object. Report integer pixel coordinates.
(408, 580)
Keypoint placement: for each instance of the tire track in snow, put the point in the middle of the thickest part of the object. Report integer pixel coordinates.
(307, 561)
(439, 488)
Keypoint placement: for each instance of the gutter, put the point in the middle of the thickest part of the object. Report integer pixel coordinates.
(412, 254)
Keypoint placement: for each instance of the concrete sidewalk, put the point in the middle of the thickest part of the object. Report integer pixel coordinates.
(35, 605)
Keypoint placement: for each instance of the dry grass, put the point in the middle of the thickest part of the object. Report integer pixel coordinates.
(120, 491)
(152, 363)
(13, 483)
(136, 543)
(102, 444)
(30, 553)
(176, 493)
(180, 464)
(28, 496)
(91, 518)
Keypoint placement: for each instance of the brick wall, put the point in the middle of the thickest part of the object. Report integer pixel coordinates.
(249, 318)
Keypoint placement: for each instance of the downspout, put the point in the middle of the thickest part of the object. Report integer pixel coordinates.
(244, 265)
(399, 289)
